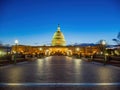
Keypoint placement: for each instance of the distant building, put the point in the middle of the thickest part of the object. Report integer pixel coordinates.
(4, 50)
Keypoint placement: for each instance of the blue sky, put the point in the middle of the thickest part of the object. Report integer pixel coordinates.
(81, 21)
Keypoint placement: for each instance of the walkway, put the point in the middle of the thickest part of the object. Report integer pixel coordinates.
(59, 73)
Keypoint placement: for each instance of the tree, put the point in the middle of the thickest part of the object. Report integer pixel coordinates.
(102, 46)
(118, 36)
(118, 39)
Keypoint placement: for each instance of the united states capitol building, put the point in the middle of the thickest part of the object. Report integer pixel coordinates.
(58, 47)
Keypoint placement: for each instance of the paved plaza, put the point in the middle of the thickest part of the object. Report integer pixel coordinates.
(59, 73)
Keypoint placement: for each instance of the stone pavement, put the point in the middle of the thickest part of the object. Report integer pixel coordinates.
(55, 72)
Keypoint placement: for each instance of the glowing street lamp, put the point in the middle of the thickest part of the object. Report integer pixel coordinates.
(78, 49)
(16, 43)
(103, 42)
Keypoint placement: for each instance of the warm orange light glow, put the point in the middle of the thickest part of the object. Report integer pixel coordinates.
(77, 49)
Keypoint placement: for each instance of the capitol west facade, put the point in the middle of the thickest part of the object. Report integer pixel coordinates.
(58, 47)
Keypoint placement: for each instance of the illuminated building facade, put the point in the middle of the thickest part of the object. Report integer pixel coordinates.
(58, 47)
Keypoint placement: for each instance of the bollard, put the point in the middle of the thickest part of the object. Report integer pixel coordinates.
(12, 58)
(15, 57)
(105, 59)
(26, 56)
(91, 57)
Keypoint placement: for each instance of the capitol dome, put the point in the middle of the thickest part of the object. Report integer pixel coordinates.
(58, 38)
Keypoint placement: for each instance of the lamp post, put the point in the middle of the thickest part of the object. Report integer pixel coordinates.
(40, 52)
(77, 49)
(103, 42)
(90, 53)
(16, 43)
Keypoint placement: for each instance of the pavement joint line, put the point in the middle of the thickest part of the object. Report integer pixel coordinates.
(97, 63)
(10, 65)
(22, 62)
(114, 67)
(60, 84)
